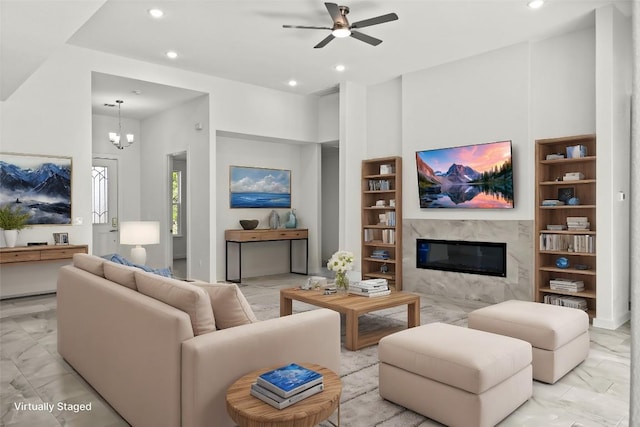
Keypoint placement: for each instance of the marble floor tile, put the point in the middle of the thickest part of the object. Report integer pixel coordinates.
(596, 393)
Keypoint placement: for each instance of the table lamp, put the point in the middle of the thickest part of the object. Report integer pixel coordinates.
(139, 233)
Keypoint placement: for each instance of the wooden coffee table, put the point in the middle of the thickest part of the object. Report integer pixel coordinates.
(249, 411)
(353, 306)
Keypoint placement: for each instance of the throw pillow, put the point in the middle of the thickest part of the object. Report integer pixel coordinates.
(181, 295)
(119, 259)
(230, 307)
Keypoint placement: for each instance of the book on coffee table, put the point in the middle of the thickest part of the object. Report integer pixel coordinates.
(279, 402)
(289, 380)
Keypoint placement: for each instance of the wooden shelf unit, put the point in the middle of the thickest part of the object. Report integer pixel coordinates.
(377, 235)
(549, 174)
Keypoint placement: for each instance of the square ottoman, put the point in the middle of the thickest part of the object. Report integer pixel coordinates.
(559, 335)
(455, 375)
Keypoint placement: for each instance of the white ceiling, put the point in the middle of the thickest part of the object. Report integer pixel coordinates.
(244, 40)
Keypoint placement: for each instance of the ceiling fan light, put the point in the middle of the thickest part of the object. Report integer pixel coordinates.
(341, 33)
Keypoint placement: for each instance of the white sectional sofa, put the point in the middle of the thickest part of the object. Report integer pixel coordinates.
(143, 356)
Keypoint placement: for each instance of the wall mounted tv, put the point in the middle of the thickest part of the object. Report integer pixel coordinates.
(478, 176)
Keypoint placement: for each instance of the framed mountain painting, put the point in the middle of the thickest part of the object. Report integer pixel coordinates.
(39, 184)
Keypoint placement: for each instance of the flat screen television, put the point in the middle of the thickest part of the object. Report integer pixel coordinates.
(478, 176)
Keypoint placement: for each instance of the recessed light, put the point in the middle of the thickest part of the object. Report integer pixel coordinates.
(156, 13)
(137, 91)
(293, 83)
(340, 67)
(172, 55)
(535, 4)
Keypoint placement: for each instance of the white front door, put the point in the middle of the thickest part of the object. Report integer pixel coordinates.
(104, 212)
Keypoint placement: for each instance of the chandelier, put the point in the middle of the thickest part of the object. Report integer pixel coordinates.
(116, 138)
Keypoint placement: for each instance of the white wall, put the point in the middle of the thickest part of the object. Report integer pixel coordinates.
(51, 114)
(328, 117)
(613, 96)
(384, 119)
(303, 160)
(475, 100)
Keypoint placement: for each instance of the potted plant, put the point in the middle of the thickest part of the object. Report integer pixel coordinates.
(12, 219)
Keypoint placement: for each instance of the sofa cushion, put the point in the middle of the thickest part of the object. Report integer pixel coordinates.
(181, 295)
(121, 274)
(230, 307)
(90, 263)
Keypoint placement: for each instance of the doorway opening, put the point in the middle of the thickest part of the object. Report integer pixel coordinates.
(178, 219)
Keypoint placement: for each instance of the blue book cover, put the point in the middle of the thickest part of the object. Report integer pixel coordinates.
(289, 380)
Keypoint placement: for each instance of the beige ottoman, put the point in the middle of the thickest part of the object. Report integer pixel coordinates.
(559, 335)
(454, 375)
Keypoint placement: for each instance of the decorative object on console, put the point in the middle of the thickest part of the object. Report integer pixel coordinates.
(293, 221)
(341, 262)
(476, 176)
(61, 238)
(139, 233)
(116, 137)
(251, 187)
(249, 224)
(12, 219)
(41, 184)
(274, 220)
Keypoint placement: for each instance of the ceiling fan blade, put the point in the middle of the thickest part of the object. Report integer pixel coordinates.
(365, 38)
(304, 27)
(374, 21)
(324, 42)
(334, 11)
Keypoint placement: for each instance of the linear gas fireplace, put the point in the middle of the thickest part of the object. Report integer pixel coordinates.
(486, 258)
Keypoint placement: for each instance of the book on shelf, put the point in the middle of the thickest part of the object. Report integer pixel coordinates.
(379, 185)
(552, 202)
(566, 301)
(380, 254)
(280, 402)
(389, 236)
(289, 380)
(556, 227)
(566, 285)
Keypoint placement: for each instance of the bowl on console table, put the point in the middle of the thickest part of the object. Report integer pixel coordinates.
(249, 224)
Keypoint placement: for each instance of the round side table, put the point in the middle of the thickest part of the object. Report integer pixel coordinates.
(249, 411)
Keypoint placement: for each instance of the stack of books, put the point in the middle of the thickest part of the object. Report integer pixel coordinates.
(380, 254)
(552, 202)
(565, 301)
(578, 223)
(370, 288)
(287, 385)
(566, 285)
(573, 176)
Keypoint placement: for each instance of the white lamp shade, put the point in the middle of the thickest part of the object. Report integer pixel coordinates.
(140, 232)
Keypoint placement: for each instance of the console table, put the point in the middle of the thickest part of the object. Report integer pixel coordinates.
(33, 270)
(265, 235)
(40, 253)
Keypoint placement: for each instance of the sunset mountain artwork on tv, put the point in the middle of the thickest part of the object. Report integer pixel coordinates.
(476, 176)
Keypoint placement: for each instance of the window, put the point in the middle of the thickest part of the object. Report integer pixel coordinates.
(99, 194)
(176, 203)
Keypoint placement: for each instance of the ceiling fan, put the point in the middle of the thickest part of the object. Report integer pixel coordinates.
(342, 28)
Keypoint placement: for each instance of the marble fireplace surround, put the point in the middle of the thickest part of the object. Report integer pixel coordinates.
(517, 234)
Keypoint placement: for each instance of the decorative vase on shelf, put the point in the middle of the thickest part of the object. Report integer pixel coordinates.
(342, 283)
(292, 220)
(274, 220)
(10, 238)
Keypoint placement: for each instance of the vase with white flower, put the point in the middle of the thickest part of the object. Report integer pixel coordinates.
(341, 262)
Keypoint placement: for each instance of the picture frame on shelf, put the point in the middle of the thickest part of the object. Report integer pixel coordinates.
(566, 193)
(61, 238)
